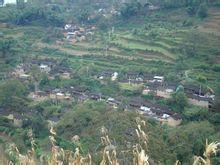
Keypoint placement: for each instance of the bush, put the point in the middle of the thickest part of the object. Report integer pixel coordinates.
(202, 11)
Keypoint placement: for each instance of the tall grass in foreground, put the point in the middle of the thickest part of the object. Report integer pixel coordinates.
(59, 156)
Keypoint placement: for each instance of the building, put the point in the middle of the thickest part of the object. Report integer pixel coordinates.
(5, 2)
(202, 101)
(166, 91)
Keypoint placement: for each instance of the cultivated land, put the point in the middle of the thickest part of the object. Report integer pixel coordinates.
(168, 43)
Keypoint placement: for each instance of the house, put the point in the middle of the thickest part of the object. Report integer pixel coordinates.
(145, 108)
(133, 75)
(67, 26)
(96, 96)
(166, 91)
(44, 68)
(6, 2)
(114, 76)
(136, 103)
(153, 86)
(77, 90)
(159, 79)
(81, 97)
(134, 78)
(81, 38)
(64, 72)
(153, 7)
(171, 121)
(198, 96)
(202, 101)
(195, 89)
(60, 96)
(45, 65)
(71, 28)
(147, 77)
(105, 75)
(114, 103)
(41, 93)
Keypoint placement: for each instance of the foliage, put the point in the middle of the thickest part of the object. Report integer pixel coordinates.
(130, 9)
(179, 100)
(7, 50)
(202, 11)
(12, 95)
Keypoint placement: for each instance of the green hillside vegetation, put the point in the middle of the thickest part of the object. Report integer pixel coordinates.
(179, 40)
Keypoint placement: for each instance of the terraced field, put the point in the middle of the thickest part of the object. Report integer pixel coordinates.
(212, 23)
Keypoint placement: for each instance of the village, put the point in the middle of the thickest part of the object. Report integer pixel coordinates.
(150, 84)
(74, 33)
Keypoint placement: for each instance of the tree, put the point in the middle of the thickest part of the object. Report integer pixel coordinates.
(6, 47)
(216, 106)
(83, 15)
(130, 9)
(179, 99)
(12, 95)
(202, 11)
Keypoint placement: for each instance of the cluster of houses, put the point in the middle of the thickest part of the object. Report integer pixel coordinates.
(159, 112)
(48, 66)
(155, 84)
(80, 94)
(74, 33)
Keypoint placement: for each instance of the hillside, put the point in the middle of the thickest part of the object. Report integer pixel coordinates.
(115, 81)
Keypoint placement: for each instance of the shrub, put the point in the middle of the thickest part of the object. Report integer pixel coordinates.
(202, 11)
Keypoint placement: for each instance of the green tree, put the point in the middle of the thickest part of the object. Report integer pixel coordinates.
(202, 11)
(12, 95)
(83, 15)
(216, 106)
(180, 101)
(130, 9)
(6, 47)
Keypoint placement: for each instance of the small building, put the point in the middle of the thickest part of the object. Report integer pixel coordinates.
(159, 79)
(153, 7)
(5, 2)
(24, 76)
(108, 75)
(166, 91)
(44, 68)
(201, 101)
(114, 103)
(96, 96)
(147, 77)
(114, 76)
(194, 89)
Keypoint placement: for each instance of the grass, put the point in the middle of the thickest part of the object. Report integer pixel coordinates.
(130, 87)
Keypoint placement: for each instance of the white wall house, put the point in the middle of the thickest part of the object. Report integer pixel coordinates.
(9, 2)
(5, 2)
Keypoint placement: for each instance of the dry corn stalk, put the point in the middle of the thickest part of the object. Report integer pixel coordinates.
(59, 155)
(140, 158)
(29, 158)
(210, 150)
(177, 162)
(109, 155)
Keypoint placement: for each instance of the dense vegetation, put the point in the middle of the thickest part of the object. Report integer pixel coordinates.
(177, 39)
